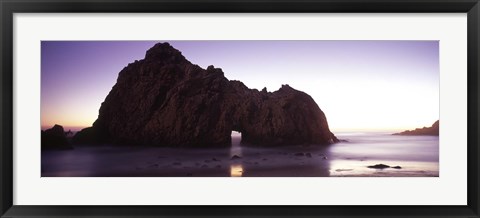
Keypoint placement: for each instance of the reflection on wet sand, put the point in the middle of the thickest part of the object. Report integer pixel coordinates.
(304, 161)
(236, 170)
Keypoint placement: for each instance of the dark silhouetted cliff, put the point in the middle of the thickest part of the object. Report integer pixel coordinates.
(54, 138)
(165, 100)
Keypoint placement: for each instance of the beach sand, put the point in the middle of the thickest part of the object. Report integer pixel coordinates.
(337, 160)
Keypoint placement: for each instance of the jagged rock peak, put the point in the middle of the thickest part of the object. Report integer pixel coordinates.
(285, 87)
(163, 51)
(212, 69)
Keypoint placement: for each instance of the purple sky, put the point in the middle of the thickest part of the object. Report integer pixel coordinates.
(360, 85)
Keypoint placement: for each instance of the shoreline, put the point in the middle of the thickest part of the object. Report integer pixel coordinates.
(345, 159)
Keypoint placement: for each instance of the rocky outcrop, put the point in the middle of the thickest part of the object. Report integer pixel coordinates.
(383, 166)
(165, 100)
(433, 130)
(379, 166)
(54, 138)
(90, 135)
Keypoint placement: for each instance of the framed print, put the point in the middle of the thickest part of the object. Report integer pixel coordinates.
(239, 109)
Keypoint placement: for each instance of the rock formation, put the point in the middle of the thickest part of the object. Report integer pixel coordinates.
(54, 138)
(383, 166)
(433, 130)
(165, 100)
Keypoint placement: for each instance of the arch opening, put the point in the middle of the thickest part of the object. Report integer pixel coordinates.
(236, 138)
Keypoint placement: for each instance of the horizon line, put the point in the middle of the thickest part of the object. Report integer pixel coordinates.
(339, 130)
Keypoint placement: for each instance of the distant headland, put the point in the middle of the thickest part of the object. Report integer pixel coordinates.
(433, 130)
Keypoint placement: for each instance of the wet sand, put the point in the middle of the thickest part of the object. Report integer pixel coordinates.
(90, 161)
(238, 161)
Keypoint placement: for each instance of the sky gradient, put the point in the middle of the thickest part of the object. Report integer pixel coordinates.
(360, 85)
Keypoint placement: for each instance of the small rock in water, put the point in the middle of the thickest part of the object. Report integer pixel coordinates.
(218, 166)
(255, 163)
(215, 159)
(235, 157)
(397, 167)
(299, 154)
(204, 166)
(379, 166)
(308, 155)
(325, 157)
(264, 159)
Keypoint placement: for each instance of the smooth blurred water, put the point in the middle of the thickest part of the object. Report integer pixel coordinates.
(417, 156)
(386, 146)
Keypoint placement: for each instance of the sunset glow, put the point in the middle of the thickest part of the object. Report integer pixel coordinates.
(359, 85)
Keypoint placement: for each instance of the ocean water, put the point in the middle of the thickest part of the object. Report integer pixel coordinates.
(417, 156)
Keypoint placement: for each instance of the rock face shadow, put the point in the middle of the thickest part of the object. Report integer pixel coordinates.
(165, 100)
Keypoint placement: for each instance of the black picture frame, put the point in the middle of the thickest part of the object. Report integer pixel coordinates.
(9, 7)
